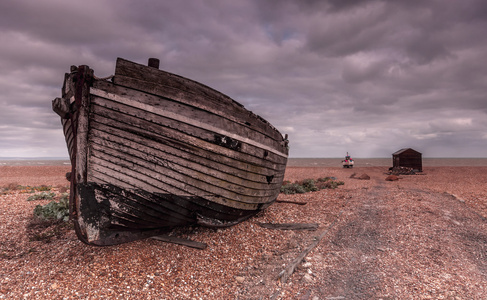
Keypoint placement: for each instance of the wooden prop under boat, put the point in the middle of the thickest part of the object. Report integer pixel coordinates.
(151, 150)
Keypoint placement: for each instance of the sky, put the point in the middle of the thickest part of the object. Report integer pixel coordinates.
(364, 77)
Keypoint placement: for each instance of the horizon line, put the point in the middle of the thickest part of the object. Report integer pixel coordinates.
(356, 157)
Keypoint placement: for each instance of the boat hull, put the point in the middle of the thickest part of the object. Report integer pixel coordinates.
(152, 150)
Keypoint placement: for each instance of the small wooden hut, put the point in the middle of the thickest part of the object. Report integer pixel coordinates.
(408, 158)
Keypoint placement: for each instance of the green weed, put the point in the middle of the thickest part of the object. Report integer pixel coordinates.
(54, 210)
(42, 196)
(310, 185)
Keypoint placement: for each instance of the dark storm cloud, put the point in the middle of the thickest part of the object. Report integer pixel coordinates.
(368, 77)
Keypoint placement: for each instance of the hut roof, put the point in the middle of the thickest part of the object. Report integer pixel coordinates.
(404, 150)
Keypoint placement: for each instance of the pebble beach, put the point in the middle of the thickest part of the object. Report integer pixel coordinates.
(420, 237)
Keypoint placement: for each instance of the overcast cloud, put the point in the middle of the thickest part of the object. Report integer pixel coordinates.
(367, 77)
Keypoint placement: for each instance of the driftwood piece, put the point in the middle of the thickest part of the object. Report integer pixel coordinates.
(290, 226)
(180, 241)
(291, 202)
(289, 270)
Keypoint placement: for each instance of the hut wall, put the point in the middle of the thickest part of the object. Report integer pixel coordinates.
(408, 158)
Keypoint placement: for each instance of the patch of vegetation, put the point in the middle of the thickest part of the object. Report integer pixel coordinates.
(11, 187)
(42, 188)
(54, 210)
(292, 188)
(50, 221)
(42, 196)
(33, 189)
(310, 185)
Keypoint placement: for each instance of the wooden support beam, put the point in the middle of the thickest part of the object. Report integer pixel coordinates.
(180, 241)
(290, 226)
(291, 202)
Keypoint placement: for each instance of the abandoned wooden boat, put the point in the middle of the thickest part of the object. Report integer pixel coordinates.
(151, 150)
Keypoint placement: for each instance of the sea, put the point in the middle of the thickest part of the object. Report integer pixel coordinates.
(292, 162)
(385, 162)
(34, 161)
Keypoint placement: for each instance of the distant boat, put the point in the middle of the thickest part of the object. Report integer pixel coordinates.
(151, 150)
(347, 162)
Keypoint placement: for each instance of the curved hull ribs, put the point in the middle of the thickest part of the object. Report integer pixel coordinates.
(151, 150)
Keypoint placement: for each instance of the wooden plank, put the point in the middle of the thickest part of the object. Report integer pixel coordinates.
(68, 136)
(161, 154)
(157, 154)
(205, 126)
(315, 240)
(175, 208)
(290, 226)
(197, 100)
(187, 175)
(83, 128)
(292, 202)
(68, 133)
(185, 142)
(177, 204)
(152, 183)
(159, 148)
(132, 180)
(178, 184)
(226, 121)
(184, 90)
(179, 241)
(181, 207)
(116, 119)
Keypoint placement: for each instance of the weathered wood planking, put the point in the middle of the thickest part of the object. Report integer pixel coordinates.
(184, 90)
(168, 107)
(104, 134)
(179, 174)
(175, 177)
(152, 124)
(162, 154)
(153, 150)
